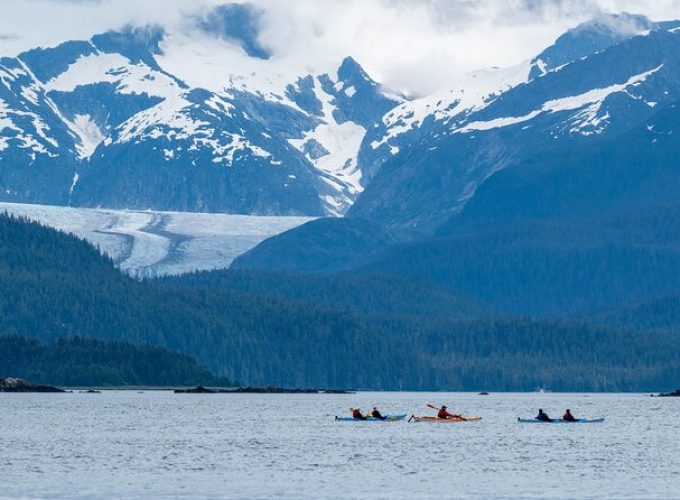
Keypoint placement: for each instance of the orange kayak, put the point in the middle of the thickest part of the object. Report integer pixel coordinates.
(443, 420)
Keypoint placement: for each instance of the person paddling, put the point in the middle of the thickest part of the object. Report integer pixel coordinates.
(443, 413)
(568, 416)
(543, 417)
(376, 414)
(357, 415)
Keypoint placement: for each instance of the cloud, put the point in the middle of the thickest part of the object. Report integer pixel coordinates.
(414, 46)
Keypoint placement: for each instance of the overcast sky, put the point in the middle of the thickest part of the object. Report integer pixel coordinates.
(415, 46)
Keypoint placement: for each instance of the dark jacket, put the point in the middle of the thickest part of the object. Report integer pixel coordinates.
(357, 415)
(377, 414)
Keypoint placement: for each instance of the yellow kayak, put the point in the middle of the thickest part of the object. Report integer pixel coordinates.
(443, 420)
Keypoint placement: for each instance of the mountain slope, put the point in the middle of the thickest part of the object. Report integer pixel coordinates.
(583, 103)
(658, 314)
(556, 197)
(426, 118)
(379, 296)
(32, 137)
(324, 245)
(54, 286)
(572, 231)
(112, 121)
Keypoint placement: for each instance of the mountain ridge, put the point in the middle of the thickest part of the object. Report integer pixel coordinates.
(108, 125)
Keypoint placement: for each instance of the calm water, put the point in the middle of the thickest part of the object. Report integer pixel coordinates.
(158, 444)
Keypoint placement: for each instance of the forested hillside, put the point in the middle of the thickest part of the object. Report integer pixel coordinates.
(79, 362)
(55, 286)
(658, 314)
(287, 331)
(373, 295)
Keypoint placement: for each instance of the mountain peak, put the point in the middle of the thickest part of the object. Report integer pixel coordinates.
(137, 43)
(623, 24)
(589, 37)
(351, 70)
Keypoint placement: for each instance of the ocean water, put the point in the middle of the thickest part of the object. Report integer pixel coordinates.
(124, 444)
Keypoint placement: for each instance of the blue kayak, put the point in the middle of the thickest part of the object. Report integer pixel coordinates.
(560, 421)
(388, 418)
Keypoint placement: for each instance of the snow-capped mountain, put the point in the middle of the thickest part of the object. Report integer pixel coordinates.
(142, 118)
(34, 139)
(447, 153)
(556, 196)
(415, 119)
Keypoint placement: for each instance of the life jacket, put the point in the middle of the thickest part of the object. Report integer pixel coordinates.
(356, 413)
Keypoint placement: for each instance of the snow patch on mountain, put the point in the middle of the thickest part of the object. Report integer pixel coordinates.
(585, 122)
(89, 135)
(225, 153)
(116, 69)
(471, 93)
(170, 119)
(12, 129)
(219, 66)
(341, 142)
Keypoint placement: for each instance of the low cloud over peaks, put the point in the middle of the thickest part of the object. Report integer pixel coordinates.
(412, 46)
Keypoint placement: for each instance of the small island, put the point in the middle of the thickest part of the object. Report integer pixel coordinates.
(11, 384)
(673, 394)
(259, 390)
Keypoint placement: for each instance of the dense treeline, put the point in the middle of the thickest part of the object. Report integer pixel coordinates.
(54, 286)
(363, 295)
(252, 339)
(659, 314)
(79, 362)
(524, 354)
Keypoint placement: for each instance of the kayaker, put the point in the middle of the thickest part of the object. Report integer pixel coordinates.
(356, 414)
(543, 417)
(444, 414)
(376, 414)
(568, 416)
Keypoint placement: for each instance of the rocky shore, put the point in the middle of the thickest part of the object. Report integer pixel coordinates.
(18, 385)
(259, 390)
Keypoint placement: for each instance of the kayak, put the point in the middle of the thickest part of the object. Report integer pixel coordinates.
(443, 420)
(560, 421)
(388, 418)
